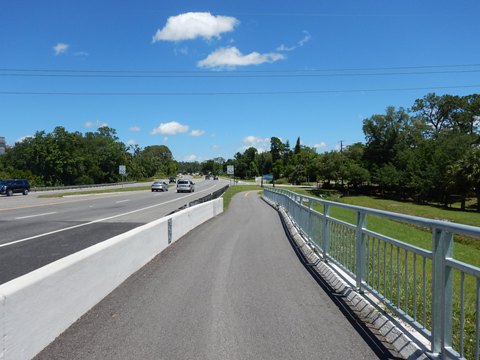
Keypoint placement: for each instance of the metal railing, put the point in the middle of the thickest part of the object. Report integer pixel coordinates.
(216, 194)
(434, 293)
(212, 196)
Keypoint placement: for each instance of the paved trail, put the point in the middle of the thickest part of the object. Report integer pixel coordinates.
(231, 289)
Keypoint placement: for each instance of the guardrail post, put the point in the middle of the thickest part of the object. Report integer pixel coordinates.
(326, 232)
(309, 220)
(442, 288)
(170, 232)
(360, 249)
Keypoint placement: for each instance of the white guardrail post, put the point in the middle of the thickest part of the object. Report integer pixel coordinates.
(442, 288)
(326, 232)
(360, 249)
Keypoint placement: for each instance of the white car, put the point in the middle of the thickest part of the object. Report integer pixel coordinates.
(184, 185)
(159, 186)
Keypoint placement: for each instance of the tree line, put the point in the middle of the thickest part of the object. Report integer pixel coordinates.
(72, 158)
(427, 153)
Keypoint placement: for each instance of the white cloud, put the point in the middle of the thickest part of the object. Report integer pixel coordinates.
(170, 128)
(305, 39)
(98, 124)
(261, 144)
(197, 132)
(476, 120)
(23, 138)
(253, 140)
(300, 43)
(134, 129)
(165, 139)
(284, 48)
(230, 57)
(190, 158)
(320, 145)
(216, 147)
(191, 25)
(60, 48)
(182, 51)
(132, 142)
(81, 53)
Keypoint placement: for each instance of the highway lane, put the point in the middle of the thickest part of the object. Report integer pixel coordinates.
(36, 231)
(231, 289)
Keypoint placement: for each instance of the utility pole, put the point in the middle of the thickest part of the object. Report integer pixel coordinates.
(341, 159)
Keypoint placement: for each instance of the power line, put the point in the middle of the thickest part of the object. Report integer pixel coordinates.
(311, 70)
(304, 92)
(256, 76)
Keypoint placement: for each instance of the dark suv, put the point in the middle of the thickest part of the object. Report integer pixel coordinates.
(9, 187)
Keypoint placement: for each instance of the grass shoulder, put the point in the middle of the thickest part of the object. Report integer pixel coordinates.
(233, 190)
(466, 248)
(92, 192)
(408, 208)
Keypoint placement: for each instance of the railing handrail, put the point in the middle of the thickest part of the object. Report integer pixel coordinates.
(358, 252)
(444, 225)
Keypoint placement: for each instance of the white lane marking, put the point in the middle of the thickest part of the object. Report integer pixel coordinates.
(96, 221)
(32, 216)
(121, 201)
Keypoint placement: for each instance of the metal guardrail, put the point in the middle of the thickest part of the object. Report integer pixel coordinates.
(74, 187)
(434, 293)
(209, 197)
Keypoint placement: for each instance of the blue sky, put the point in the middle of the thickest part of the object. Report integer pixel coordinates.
(210, 78)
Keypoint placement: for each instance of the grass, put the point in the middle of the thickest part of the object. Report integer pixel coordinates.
(403, 274)
(227, 196)
(233, 190)
(90, 192)
(466, 249)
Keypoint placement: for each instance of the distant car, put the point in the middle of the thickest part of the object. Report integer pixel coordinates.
(207, 177)
(215, 177)
(184, 185)
(159, 186)
(10, 187)
(173, 179)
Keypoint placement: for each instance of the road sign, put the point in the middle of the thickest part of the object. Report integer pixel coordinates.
(230, 170)
(268, 177)
(122, 169)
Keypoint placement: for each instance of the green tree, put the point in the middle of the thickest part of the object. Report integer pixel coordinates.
(157, 160)
(329, 168)
(104, 155)
(302, 165)
(277, 148)
(265, 164)
(356, 175)
(384, 136)
(354, 165)
(298, 147)
(212, 167)
(465, 174)
(434, 158)
(436, 112)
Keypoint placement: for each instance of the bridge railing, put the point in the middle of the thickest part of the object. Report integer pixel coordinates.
(436, 294)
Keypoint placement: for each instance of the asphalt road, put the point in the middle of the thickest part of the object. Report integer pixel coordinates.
(35, 231)
(233, 288)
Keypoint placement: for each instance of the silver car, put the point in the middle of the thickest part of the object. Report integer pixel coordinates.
(184, 185)
(159, 186)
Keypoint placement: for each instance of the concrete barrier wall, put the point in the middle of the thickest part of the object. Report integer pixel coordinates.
(37, 307)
